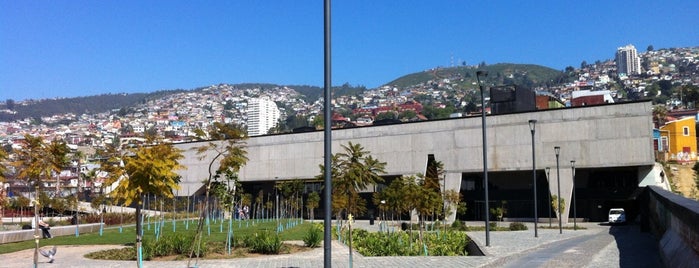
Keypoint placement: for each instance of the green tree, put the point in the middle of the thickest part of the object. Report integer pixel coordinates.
(226, 148)
(143, 170)
(554, 205)
(353, 170)
(386, 115)
(4, 202)
(659, 115)
(35, 163)
(312, 203)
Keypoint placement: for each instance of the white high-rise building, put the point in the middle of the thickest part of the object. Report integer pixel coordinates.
(262, 115)
(627, 60)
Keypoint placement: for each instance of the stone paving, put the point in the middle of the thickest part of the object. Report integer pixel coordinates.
(595, 246)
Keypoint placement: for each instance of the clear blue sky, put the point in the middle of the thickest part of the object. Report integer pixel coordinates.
(79, 48)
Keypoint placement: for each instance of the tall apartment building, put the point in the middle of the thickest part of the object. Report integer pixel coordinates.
(262, 115)
(627, 60)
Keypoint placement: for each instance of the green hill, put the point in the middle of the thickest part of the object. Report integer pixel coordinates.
(527, 75)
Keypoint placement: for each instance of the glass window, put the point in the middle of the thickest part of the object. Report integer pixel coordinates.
(685, 131)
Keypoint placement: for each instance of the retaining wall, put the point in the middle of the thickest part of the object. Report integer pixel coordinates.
(674, 219)
(24, 235)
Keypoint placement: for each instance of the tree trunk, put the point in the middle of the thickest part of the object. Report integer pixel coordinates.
(139, 227)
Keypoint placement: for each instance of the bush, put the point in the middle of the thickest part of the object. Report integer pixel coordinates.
(264, 243)
(457, 225)
(517, 226)
(313, 237)
(403, 244)
(172, 244)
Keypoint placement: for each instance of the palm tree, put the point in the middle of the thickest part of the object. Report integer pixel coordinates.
(357, 169)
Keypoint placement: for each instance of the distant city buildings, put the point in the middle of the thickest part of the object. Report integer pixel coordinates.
(263, 114)
(627, 60)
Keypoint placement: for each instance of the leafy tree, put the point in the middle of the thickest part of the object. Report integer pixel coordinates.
(312, 202)
(554, 204)
(569, 70)
(318, 121)
(36, 163)
(650, 48)
(659, 115)
(407, 115)
(143, 170)
(665, 87)
(583, 65)
(386, 115)
(290, 191)
(690, 94)
(4, 202)
(226, 141)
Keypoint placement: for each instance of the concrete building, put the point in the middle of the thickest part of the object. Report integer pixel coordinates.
(262, 115)
(612, 145)
(627, 60)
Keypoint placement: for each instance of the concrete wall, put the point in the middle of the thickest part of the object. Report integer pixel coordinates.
(675, 220)
(24, 235)
(595, 136)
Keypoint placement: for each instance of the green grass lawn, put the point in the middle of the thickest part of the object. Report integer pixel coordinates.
(218, 232)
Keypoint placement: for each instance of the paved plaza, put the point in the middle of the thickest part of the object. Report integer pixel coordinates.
(597, 246)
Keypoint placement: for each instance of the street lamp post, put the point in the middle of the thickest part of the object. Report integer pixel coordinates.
(532, 127)
(557, 149)
(548, 169)
(575, 202)
(485, 156)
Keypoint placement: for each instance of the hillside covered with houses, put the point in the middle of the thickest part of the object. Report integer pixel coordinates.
(669, 77)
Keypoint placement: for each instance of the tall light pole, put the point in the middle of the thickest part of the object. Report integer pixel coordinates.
(575, 202)
(548, 169)
(557, 149)
(485, 156)
(532, 127)
(327, 135)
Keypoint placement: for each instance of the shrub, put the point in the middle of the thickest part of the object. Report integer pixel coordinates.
(403, 244)
(457, 225)
(264, 243)
(172, 244)
(313, 237)
(517, 226)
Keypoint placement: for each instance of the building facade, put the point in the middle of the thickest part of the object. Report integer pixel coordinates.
(262, 115)
(627, 60)
(680, 139)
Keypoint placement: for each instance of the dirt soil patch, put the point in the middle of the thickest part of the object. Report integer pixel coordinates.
(683, 180)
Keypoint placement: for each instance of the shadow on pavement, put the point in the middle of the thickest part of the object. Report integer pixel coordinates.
(636, 248)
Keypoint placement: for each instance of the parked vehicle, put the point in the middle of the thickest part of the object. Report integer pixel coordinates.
(617, 215)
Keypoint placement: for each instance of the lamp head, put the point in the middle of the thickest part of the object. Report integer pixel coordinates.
(557, 149)
(572, 163)
(548, 169)
(532, 125)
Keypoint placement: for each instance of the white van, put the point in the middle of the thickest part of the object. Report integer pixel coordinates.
(617, 215)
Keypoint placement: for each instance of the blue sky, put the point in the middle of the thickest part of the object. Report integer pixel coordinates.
(80, 48)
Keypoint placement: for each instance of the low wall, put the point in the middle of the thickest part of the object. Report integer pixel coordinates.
(673, 219)
(24, 235)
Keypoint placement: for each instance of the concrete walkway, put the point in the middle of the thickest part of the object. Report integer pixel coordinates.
(596, 246)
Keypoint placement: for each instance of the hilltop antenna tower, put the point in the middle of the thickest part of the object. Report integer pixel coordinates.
(452, 59)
